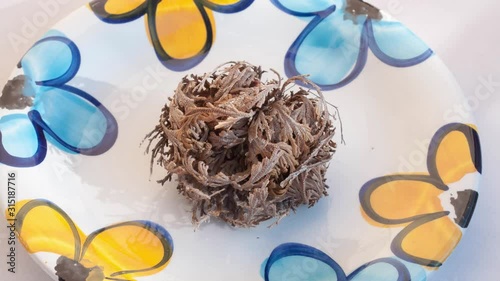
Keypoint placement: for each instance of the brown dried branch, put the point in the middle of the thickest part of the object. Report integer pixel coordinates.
(244, 150)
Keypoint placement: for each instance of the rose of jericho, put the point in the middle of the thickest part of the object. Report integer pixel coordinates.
(245, 150)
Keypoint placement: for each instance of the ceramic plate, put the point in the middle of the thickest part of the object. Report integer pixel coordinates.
(403, 187)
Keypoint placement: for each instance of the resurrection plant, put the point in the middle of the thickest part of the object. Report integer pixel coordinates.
(245, 150)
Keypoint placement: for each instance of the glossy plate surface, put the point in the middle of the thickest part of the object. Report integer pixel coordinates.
(402, 189)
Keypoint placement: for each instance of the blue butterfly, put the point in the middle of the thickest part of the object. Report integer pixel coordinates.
(333, 48)
(66, 116)
(293, 261)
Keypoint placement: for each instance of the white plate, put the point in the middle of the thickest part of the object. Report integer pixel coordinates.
(399, 117)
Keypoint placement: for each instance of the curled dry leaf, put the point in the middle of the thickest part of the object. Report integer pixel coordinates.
(244, 150)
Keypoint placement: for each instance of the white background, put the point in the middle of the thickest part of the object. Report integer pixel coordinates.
(464, 34)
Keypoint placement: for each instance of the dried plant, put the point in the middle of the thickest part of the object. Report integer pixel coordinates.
(244, 150)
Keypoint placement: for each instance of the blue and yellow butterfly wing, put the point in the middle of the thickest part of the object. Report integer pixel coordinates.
(21, 143)
(69, 118)
(182, 32)
(304, 8)
(330, 49)
(75, 121)
(396, 45)
(455, 151)
(294, 261)
(130, 249)
(226, 6)
(384, 269)
(119, 11)
(42, 226)
(52, 61)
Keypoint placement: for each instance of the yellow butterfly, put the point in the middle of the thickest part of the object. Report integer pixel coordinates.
(181, 31)
(413, 201)
(118, 252)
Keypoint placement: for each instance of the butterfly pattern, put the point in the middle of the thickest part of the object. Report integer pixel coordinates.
(294, 261)
(181, 31)
(121, 251)
(66, 116)
(333, 47)
(413, 201)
